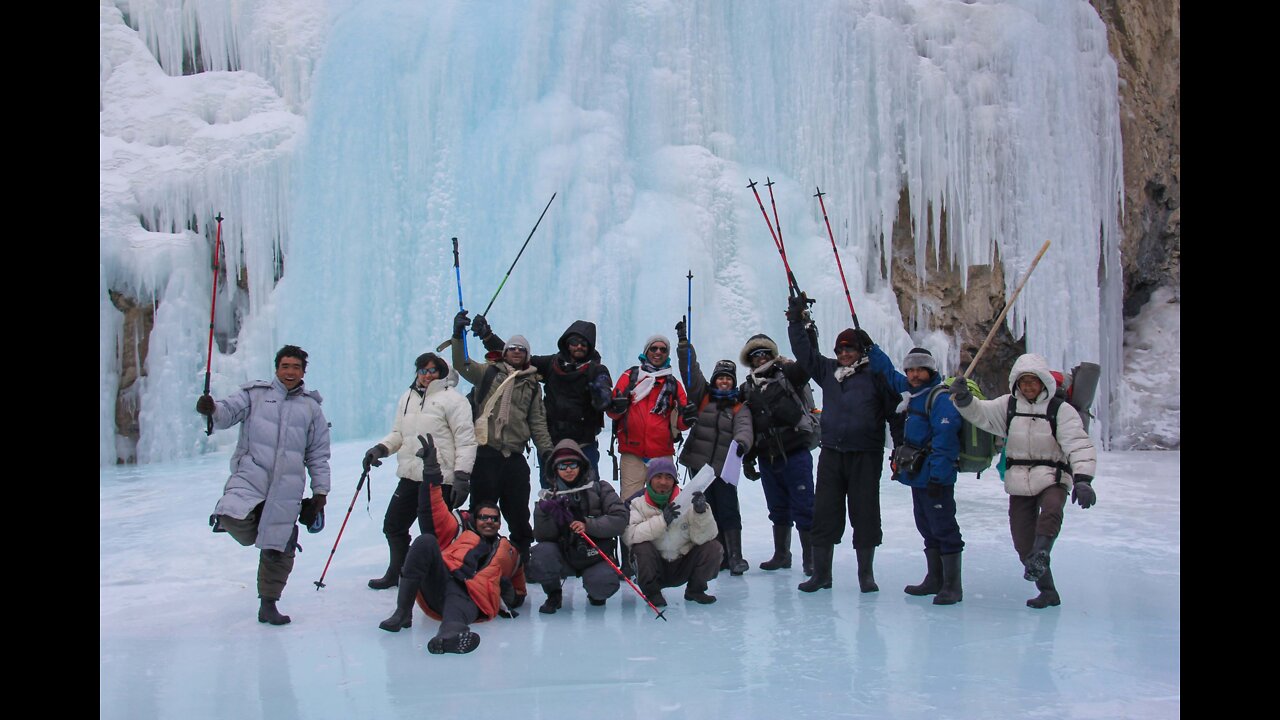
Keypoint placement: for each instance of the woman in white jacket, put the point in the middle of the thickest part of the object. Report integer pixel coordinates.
(1048, 452)
(431, 406)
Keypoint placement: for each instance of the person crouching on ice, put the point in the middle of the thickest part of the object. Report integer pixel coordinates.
(462, 574)
(667, 553)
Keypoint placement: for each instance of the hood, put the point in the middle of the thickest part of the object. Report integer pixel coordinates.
(1033, 364)
(568, 448)
(579, 327)
(755, 343)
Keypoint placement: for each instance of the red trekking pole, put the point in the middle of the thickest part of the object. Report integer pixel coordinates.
(793, 288)
(364, 476)
(213, 306)
(837, 252)
(621, 575)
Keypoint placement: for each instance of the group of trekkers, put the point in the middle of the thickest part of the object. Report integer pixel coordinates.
(463, 473)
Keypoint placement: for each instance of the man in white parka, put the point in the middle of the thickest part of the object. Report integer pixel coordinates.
(1048, 452)
(283, 433)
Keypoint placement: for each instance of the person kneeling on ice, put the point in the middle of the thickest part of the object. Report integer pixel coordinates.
(282, 432)
(576, 502)
(1047, 451)
(667, 553)
(462, 574)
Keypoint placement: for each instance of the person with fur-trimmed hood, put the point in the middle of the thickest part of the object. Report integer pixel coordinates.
(510, 413)
(462, 573)
(856, 408)
(575, 501)
(781, 446)
(650, 409)
(431, 406)
(668, 553)
(576, 385)
(722, 418)
(926, 462)
(1047, 451)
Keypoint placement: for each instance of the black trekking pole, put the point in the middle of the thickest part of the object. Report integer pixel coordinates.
(363, 476)
(213, 306)
(621, 575)
(688, 332)
(819, 195)
(457, 273)
(513, 262)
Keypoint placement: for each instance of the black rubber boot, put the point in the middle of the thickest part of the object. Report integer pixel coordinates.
(932, 582)
(267, 613)
(866, 578)
(806, 552)
(699, 596)
(555, 597)
(951, 592)
(733, 552)
(462, 643)
(403, 616)
(655, 597)
(1048, 596)
(781, 549)
(821, 579)
(597, 602)
(724, 543)
(1037, 562)
(399, 549)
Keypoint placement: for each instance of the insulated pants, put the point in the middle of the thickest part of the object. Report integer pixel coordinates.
(274, 566)
(504, 481)
(547, 566)
(852, 479)
(788, 489)
(425, 569)
(410, 501)
(723, 499)
(936, 518)
(1032, 515)
(697, 568)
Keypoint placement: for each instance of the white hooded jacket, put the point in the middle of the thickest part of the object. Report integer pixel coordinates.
(441, 411)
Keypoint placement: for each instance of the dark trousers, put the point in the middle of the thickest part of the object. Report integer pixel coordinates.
(723, 499)
(410, 501)
(936, 518)
(425, 569)
(274, 566)
(788, 489)
(698, 567)
(505, 481)
(1032, 515)
(849, 479)
(548, 566)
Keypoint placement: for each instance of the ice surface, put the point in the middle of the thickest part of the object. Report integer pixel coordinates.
(179, 637)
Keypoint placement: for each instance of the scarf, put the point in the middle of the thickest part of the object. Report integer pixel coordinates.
(731, 394)
(762, 376)
(845, 372)
(907, 395)
(660, 500)
(500, 397)
(647, 378)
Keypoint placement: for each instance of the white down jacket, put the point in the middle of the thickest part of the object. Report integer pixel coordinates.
(1031, 438)
(441, 411)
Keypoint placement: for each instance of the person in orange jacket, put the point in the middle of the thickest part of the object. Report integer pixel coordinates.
(463, 573)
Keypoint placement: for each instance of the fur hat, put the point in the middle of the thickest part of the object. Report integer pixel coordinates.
(659, 466)
(920, 357)
(757, 342)
(725, 367)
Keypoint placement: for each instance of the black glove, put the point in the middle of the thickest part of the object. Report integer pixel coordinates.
(689, 413)
(464, 573)
(460, 323)
(205, 405)
(670, 513)
(319, 501)
(960, 395)
(742, 450)
(1082, 492)
(749, 469)
(798, 308)
(508, 592)
(935, 489)
(682, 335)
(373, 456)
(430, 466)
(480, 327)
(620, 404)
(461, 487)
(863, 339)
(699, 502)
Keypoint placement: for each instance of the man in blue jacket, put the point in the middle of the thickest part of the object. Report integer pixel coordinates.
(926, 462)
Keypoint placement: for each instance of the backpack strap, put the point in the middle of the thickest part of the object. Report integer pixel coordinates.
(1051, 415)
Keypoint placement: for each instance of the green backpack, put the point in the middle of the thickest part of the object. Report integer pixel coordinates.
(977, 446)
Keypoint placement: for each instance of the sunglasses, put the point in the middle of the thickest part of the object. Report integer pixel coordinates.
(846, 349)
(568, 465)
(488, 518)
(760, 354)
(659, 349)
(576, 342)
(517, 348)
(432, 370)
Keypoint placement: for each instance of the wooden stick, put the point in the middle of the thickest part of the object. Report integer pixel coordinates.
(996, 325)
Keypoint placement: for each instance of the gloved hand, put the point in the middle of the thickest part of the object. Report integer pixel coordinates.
(742, 450)
(480, 327)
(620, 404)
(682, 335)
(670, 513)
(430, 466)
(1082, 492)
(699, 502)
(373, 456)
(460, 323)
(798, 308)
(960, 395)
(749, 469)
(461, 488)
(863, 339)
(557, 508)
(464, 572)
(319, 501)
(689, 413)
(205, 405)
(935, 489)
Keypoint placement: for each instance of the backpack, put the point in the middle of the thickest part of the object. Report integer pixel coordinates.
(810, 419)
(977, 446)
(1076, 389)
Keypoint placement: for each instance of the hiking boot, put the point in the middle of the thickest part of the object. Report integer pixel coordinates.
(733, 553)
(781, 549)
(806, 552)
(821, 578)
(462, 643)
(552, 603)
(866, 579)
(932, 582)
(267, 613)
(1048, 596)
(951, 592)
(699, 596)
(1037, 562)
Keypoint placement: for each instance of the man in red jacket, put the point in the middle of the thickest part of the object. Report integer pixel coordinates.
(460, 575)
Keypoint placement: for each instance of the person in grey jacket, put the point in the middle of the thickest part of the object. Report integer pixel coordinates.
(575, 501)
(282, 432)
